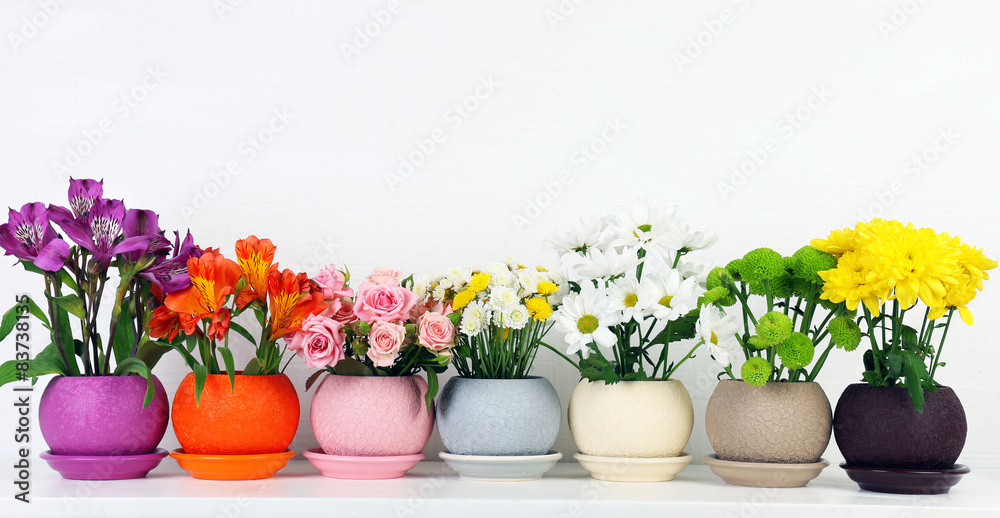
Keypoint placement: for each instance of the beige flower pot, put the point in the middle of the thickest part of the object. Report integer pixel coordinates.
(780, 422)
(631, 418)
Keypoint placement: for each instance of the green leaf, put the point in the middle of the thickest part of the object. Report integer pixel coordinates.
(71, 303)
(908, 338)
(140, 368)
(915, 372)
(253, 368)
(47, 361)
(188, 357)
(610, 376)
(895, 363)
(352, 367)
(37, 311)
(124, 339)
(590, 374)
(10, 319)
(432, 389)
(200, 375)
(871, 378)
(455, 318)
(243, 332)
(313, 377)
(227, 359)
(150, 352)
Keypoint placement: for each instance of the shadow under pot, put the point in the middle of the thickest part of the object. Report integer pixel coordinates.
(499, 417)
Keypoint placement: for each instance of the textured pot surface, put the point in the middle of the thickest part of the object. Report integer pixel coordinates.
(779, 422)
(499, 417)
(878, 427)
(371, 415)
(259, 416)
(102, 415)
(631, 418)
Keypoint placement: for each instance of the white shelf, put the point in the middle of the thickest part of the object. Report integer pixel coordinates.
(433, 490)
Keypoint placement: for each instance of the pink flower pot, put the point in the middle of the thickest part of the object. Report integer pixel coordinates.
(371, 415)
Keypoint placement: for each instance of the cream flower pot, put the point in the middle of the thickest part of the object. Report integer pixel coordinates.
(637, 419)
(780, 422)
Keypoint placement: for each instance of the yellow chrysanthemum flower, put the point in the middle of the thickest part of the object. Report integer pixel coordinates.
(462, 299)
(848, 282)
(546, 288)
(538, 308)
(839, 242)
(915, 263)
(479, 282)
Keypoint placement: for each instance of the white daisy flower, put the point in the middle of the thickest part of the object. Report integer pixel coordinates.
(597, 263)
(670, 296)
(718, 331)
(645, 224)
(698, 268)
(627, 297)
(585, 318)
(515, 317)
(697, 240)
(502, 297)
(584, 235)
(529, 279)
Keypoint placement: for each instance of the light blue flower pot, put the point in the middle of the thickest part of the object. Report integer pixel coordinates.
(499, 417)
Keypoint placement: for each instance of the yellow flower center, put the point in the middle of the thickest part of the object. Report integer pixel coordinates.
(631, 299)
(665, 301)
(587, 324)
(714, 339)
(644, 228)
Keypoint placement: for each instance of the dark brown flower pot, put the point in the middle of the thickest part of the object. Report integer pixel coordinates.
(878, 427)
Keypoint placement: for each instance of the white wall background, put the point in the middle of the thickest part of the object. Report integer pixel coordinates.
(838, 102)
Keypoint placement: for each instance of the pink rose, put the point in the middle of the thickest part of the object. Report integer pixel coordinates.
(384, 341)
(385, 276)
(383, 302)
(333, 283)
(320, 342)
(435, 331)
(429, 304)
(341, 310)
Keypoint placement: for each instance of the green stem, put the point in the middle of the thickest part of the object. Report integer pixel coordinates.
(561, 355)
(937, 355)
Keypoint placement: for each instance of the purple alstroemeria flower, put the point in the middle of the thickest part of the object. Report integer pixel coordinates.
(29, 235)
(103, 235)
(82, 195)
(172, 275)
(139, 222)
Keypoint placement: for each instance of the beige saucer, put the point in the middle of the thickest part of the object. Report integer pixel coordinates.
(764, 474)
(633, 469)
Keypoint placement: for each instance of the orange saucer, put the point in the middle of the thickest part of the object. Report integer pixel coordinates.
(231, 467)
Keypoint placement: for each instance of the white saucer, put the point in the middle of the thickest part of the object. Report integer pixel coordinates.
(634, 469)
(501, 468)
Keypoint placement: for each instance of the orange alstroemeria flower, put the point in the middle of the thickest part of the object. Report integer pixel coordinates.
(213, 278)
(289, 305)
(256, 260)
(164, 323)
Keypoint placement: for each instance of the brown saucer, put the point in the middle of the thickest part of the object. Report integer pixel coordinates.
(906, 481)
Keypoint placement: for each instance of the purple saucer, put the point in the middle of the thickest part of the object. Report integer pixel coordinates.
(84, 467)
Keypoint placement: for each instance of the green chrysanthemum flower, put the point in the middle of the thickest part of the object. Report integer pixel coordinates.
(774, 327)
(757, 343)
(760, 264)
(845, 333)
(716, 277)
(781, 286)
(734, 268)
(788, 263)
(797, 351)
(755, 371)
(717, 294)
(808, 262)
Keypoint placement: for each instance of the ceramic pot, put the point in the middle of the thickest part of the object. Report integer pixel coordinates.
(499, 417)
(102, 415)
(878, 427)
(631, 418)
(371, 416)
(780, 422)
(258, 416)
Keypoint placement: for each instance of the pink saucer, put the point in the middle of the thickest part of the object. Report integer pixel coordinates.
(111, 467)
(361, 468)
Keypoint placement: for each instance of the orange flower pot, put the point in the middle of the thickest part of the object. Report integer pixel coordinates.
(259, 416)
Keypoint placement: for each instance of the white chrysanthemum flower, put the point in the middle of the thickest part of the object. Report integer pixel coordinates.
(497, 266)
(585, 318)
(698, 268)
(502, 278)
(584, 235)
(718, 331)
(445, 282)
(603, 264)
(439, 292)
(470, 326)
(627, 297)
(459, 277)
(645, 224)
(421, 286)
(503, 297)
(515, 317)
(671, 296)
(696, 240)
(529, 279)
(476, 309)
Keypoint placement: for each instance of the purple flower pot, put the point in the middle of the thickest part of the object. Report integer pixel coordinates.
(102, 415)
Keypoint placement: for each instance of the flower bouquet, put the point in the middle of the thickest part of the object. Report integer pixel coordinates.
(373, 410)
(210, 408)
(901, 416)
(494, 407)
(633, 295)
(104, 402)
